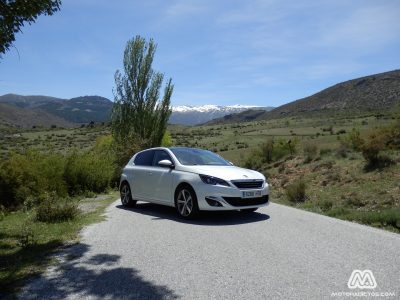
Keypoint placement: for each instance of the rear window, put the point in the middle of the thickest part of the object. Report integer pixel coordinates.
(144, 158)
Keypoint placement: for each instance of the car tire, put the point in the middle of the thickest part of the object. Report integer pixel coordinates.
(126, 195)
(249, 210)
(186, 202)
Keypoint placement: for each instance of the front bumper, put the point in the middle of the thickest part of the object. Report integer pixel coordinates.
(229, 198)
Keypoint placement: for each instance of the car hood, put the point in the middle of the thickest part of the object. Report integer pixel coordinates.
(224, 172)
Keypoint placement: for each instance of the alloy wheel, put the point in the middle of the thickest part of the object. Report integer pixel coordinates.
(185, 202)
(125, 194)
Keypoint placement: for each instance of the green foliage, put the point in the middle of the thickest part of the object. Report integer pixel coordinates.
(273, 150)
(296, 191)
(253, 162)
(325, 204)
(52, 209)
(138, 115)
(26, 237)
(310, 151)
(92, 171)
(267, 150)
(15, 13)
(30, 174)
(24, 178)
(167, 139)
(270, 151)
(354, 140)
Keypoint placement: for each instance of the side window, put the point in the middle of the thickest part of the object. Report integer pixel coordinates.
(159, 156)
(144, 158)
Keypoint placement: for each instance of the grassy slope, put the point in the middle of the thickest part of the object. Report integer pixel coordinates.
(336, 186)
(19, 263)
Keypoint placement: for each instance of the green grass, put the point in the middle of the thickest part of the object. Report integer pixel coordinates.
(58, 139)
(336, 186)
(19, 262)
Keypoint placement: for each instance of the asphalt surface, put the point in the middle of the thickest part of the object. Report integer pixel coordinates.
(277, 253)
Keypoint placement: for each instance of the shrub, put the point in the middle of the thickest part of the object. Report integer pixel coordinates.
(267, 150)
(371, 152)
(310, 151)
(253, 162)
(273, 150)
(296, 191)
(26, 237)
(354, 140)
(89, 171)
(325, 151)
(325, 204)
(30, 174)
(53, 209)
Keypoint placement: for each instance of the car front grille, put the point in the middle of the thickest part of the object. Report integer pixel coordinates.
(248, 184)
(237, 201)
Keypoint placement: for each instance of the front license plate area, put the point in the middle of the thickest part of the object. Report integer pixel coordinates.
(251, 194)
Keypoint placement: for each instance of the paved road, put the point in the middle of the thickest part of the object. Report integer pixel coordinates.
(277, 253)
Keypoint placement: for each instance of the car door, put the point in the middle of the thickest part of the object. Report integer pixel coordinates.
(162, 178)
(141, 182)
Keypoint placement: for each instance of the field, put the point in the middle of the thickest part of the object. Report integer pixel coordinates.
(234, 141)
(337, 182)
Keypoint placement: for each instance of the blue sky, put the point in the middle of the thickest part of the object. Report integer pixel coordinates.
(224, 52)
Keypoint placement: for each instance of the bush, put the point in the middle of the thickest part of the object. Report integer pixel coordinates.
(354, 140)
(310, 151)
(53, 209)
(26, 237)
(89, 171)
(25, 177)
(253, 162)
(296, 191)
(267, 150)
(325, 204)
(30, 174)
(371, 152)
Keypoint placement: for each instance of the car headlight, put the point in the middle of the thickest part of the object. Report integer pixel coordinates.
(213, 180)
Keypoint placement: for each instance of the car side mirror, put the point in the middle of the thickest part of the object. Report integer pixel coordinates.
(166, 163)
(231, 163)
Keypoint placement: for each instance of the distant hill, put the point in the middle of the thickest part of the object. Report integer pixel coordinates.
(369, 94)
(194, 115)
(18, 117)
(244, 116)
(76, 110)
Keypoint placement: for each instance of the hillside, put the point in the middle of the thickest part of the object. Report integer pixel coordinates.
(76, 110)
(244, 116)
(12, 116)
(369, 94)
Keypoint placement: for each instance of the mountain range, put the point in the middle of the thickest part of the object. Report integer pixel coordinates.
(374, 93)
(194, 115)
(28, 111)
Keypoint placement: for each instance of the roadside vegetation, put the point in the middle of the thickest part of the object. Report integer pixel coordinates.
(345, 167)
(45, 174)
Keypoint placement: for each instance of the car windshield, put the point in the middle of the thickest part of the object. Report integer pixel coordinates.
(191, 156)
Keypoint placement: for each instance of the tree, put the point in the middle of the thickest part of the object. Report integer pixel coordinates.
(14, 13)
(138, 115)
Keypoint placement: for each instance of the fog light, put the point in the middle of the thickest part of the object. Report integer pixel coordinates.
(213, 202)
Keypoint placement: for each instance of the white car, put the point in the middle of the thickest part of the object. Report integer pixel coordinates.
(190, 180)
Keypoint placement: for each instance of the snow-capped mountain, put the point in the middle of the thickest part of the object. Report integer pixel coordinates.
(193, 115)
